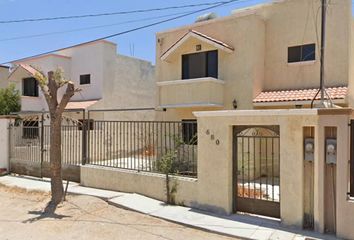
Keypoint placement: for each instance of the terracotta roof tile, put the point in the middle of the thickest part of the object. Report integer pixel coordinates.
(299, 95)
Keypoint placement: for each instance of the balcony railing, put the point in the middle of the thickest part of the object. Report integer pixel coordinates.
(200, 92)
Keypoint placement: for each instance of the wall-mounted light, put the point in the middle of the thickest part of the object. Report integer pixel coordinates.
(234, 104)
(198, 47)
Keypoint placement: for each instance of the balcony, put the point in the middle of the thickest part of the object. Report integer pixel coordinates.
(200, 92)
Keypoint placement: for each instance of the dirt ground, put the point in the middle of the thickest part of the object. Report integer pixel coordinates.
(82, 217)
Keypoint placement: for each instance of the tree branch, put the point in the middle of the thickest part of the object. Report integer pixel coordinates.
(70, 91)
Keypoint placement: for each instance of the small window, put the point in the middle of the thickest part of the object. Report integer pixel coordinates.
(85, 79)
(199, 65)
(302, 53)
(30, 87)
(190, 132)
(30, 129)
(87, 122)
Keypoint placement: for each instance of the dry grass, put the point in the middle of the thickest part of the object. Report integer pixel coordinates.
(39, 195)
(250, 192)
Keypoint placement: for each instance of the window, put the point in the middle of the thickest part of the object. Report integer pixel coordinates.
(302, 53)
(30, 129)
(199, 65)
(190, 132)
(87, 122)
(30, 87)
(85, 79)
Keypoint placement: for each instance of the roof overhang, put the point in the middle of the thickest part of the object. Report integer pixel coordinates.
(192, 34)
(295, 103)
(338, 95)
(31, 71)
(80, 104)
(189, 105)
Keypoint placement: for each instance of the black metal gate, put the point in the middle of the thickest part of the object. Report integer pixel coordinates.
(30, 146)
(256, 170)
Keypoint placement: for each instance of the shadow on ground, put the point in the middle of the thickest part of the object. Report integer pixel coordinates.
(48, 212)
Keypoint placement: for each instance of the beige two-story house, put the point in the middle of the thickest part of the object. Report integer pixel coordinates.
(265, 56)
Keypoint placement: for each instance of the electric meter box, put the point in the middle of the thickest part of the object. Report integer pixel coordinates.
(331, 151)
(309, 148)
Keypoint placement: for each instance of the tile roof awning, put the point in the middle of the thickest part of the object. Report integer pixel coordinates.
(300, 95)
(80, 104)
(201, 37)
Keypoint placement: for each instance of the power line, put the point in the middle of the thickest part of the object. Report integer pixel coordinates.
(109, 13)
(89, 28)
(128, 31)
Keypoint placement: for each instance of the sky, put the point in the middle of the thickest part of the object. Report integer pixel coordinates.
(140, 44)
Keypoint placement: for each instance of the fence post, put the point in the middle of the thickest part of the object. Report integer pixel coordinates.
(84, 139)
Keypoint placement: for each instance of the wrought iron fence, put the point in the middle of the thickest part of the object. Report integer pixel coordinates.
(30, 141)
(134, 145)
(143, 145)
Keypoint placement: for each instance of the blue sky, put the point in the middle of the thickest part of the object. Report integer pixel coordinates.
(143, 40)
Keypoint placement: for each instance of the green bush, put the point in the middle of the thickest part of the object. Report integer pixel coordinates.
(9, 100)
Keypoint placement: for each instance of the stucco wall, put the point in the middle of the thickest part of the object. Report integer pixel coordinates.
(148, 184)
(133, 87)
(293, 22)
(213, 190)
(261, 37)
(4, 73)
(117, 81)
(344, 205)
(291, 124)
(27, 103)
(88, 59)
(4, 143)
(240, 69)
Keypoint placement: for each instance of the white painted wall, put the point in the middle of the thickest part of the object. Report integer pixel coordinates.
(133, 87)
(118, 81)
(4, 73)
(4, 143)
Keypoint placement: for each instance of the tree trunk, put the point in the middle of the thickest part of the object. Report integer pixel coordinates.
(55, 160)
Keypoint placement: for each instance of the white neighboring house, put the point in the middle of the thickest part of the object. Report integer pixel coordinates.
(4, 73)
(107, 80)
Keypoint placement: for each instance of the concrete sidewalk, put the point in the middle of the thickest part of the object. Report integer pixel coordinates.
(241, 226)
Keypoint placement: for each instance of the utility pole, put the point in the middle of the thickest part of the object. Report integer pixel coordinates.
(323, 44)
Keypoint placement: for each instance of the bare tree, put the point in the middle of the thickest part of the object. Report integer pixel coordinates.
(50, 86)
